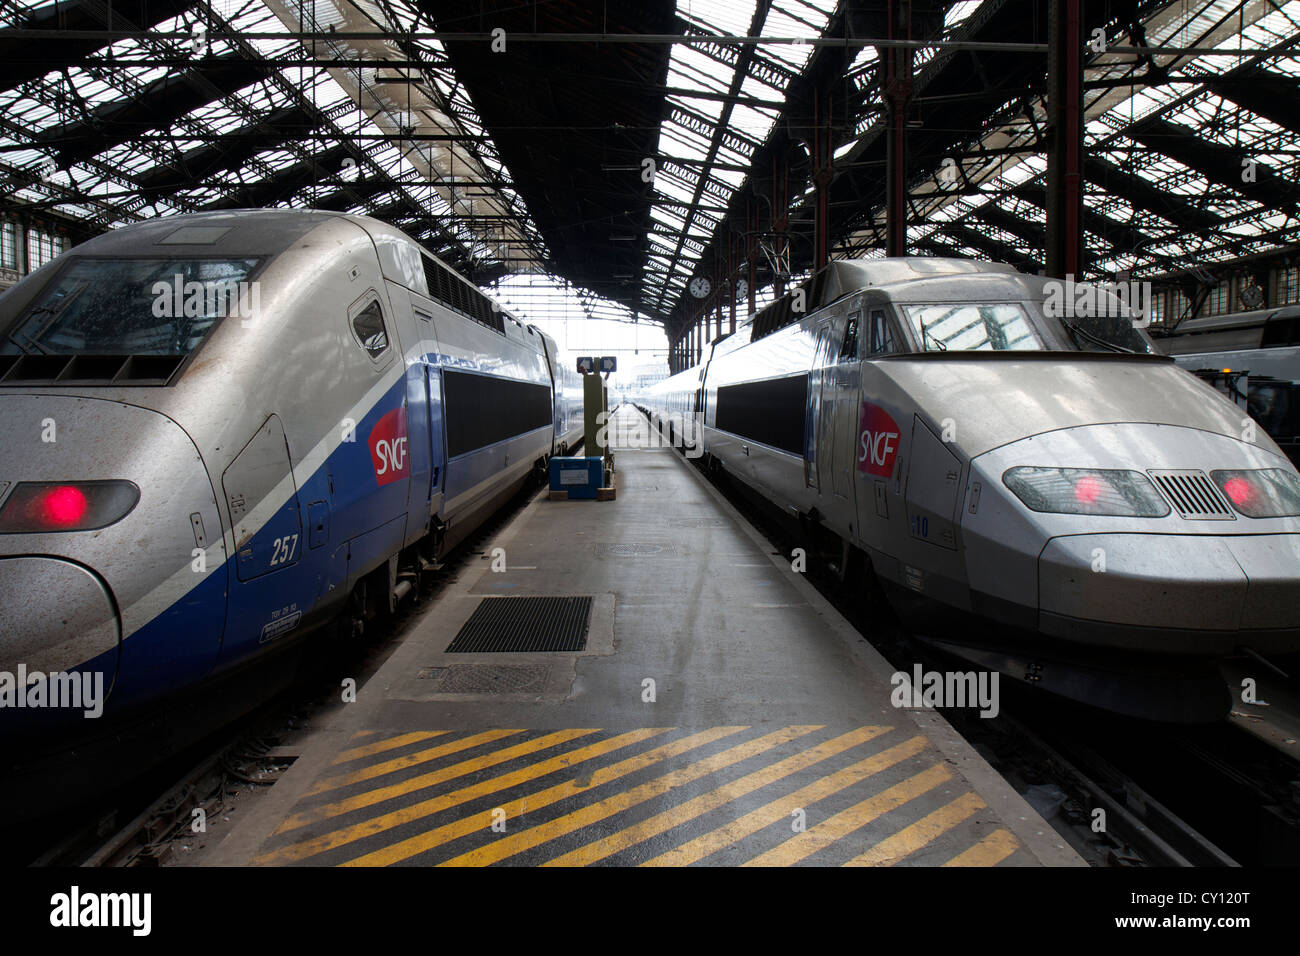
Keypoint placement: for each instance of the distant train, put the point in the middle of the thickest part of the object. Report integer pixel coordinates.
(1049, 475)
(219, 432)
(1254, 358)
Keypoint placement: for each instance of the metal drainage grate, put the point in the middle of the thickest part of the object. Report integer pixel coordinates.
(504, 624)
(1193, 494)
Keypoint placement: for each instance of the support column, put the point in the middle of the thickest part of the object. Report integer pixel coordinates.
(731, 278)
(751, 256)
(823, 157)
(1065, 150)
(780, 215)
(717, 292)
(898, 92)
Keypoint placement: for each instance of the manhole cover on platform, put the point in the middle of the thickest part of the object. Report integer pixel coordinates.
(699, 523)
(627, 550)
(494, 679)
(505, 624)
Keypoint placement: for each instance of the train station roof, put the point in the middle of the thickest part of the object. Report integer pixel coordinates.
(631, 147)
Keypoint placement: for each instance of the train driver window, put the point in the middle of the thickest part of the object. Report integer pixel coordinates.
(849, 347)
(368, 324)
(882, 340)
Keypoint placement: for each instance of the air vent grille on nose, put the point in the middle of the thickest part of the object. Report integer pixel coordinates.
(1192, 494)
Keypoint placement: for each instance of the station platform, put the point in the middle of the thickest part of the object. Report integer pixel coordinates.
(720, 712)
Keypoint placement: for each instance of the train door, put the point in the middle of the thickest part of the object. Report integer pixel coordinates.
(559, 420)
(820, 407)
(273, 587)
(876, 475)
(847, 375)
(423, 419)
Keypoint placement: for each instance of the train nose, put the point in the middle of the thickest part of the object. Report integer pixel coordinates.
(112, 558)
(55, 616)
(1173, 593)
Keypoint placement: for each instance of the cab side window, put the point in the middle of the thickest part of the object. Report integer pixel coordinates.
(882, 339)
(849, 347)
(368, 324)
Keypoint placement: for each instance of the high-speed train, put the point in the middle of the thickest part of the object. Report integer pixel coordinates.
(220, 431)
(1002, 460)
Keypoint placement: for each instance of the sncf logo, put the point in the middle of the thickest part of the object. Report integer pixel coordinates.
(877, 441)
(388, 447)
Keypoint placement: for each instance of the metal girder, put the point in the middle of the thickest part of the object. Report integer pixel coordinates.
(276, 188)
(1030, 232)
(991, 247)
(354, 193)
(1262, 92)
(739, 71)
(230, 152)
(24, 58)
(1222, 165)
(1141, 194)
(161, 103)
(1116, 234)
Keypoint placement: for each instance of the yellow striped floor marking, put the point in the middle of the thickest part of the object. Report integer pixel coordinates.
(835, 828)
(341, 837)
(603, 809)
(756, 820)
(922, 832)
(990, 851)
(698, 806)
(477, 823)
(425, 780)
(379, 746)
(409, 760)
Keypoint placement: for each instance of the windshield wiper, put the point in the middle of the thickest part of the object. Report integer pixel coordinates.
(30, 341)
(927, 336)
(1076, 331)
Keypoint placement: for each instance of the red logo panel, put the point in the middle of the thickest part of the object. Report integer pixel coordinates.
(388, 447)
(878, 436)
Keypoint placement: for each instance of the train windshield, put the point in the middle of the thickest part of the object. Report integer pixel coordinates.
(1115, 332)
(133, 307)
(972, 326)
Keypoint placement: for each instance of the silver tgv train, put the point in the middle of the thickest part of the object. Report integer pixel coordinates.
(989, 456)
(219, 431)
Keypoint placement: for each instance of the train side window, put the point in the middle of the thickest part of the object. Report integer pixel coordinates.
(368, 324)
(882, 340)
(849, 347)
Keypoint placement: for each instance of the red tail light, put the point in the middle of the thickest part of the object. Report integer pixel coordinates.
(63, 506)
(1261, 492)
(1239, 490)
(38, 507)
(1088, 489)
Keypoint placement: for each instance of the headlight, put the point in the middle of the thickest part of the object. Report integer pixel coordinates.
(1261, 493)
(1086, 491)
(38, 507)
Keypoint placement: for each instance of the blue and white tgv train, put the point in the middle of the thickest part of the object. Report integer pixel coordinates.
(220, 431)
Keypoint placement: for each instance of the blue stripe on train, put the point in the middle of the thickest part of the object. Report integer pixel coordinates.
(209, 629)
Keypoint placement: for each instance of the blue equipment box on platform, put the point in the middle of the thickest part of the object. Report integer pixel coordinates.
(580, 477)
